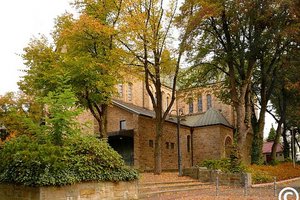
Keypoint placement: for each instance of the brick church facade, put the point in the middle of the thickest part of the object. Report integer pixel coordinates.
(206, 126)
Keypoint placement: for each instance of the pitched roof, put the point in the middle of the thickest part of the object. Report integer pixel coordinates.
(133, 108)
(267, 147)
(209, 118)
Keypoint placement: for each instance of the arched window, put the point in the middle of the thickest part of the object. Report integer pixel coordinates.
(129, 92)
(191, 105)
(209, 103)
(200, 105)
(228, 146)
(120, 89)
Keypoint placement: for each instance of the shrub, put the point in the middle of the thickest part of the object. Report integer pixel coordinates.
(225, 165)
(282, 171)
(259, 176)
(36, 161)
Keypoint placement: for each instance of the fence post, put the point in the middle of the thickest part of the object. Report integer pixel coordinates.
(217, 183)
(245, 184)
(275, 187)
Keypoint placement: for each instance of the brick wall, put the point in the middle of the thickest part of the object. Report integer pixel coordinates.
(209, 142)
(86, 121)
(82, 191)
(115, 115)
(169, 145)
(184, 96)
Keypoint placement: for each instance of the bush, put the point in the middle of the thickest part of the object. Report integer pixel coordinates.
(259, 176)
(36, 161)
(225, 165)
(282, 171)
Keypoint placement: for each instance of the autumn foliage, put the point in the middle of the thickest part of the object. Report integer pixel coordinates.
(266, 173)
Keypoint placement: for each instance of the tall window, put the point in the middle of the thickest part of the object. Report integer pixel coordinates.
(120, 89)
(191, 105)
(129, 92)
(200, 108)
(188, 143)
(209, 105)
(168, 102)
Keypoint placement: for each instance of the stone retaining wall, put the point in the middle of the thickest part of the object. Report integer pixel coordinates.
(82, 191)
(205, 175)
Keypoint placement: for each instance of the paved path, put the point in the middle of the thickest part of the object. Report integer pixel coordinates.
(209, 192)
(291, 184)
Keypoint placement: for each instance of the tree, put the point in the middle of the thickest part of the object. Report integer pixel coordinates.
(60, 120)
(144, 32)
(15, 111)
(272, 134)
(231, 37)
(285, 99)
(84, 51)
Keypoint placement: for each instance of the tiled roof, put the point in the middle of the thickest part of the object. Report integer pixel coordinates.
(267, 147)
(210, 117)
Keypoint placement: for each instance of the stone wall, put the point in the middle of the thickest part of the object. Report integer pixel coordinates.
(205, 175)
(82, 191)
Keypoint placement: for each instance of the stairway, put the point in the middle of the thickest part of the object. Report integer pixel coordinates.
(150, 190)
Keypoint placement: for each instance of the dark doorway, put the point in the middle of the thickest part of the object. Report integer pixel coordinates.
(124, 146)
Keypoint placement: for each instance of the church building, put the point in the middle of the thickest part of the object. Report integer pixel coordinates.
(205, 129)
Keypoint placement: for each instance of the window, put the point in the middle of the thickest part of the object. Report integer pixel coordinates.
(200, 108)
(129, 92)
(122, 125)
(151, 143)
(172, 145)
(167, 145)
(228, 146)
(168, 101)
(209, 105)
(120, 89)
(191, 106)
(188, 143)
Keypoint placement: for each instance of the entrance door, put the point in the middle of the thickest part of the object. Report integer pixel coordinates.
(124, 146)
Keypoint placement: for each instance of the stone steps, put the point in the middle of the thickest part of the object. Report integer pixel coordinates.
(148, 190)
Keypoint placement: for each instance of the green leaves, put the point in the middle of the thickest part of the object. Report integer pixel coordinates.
(62, 109)
(36, 161)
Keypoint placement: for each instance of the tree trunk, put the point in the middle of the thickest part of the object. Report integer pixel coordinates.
(157, 149)
(241, 131)
(257, 143)
(286, 145)
(103, 131)
(276, 141)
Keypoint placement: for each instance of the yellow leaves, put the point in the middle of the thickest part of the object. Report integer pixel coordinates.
(168, 65)
(88, 28)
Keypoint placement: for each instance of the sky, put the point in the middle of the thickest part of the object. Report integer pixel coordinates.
(22, 20)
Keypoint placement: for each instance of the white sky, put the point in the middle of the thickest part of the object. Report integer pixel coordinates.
(21, 20)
